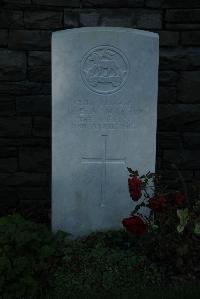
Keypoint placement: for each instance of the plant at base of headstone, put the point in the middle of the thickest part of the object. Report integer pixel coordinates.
(171, 233)
(184, 217)
(29, 253)
(165, 207)
(138, 223)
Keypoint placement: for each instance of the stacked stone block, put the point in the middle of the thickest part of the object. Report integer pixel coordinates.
(25, 88)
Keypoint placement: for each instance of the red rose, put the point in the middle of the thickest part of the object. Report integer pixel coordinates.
(180, 199)
(135, 188)
(135, 224)
(157, 203)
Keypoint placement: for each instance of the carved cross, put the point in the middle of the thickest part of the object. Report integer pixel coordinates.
(103, 161)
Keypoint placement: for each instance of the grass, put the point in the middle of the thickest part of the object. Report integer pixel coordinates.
(189, 291)
(110, 264)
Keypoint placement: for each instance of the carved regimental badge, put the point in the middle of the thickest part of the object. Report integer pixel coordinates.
(104, 69)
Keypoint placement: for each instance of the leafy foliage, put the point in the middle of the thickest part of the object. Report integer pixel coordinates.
(27, 254)
(33, 261)
(184, 217)
(104, 262)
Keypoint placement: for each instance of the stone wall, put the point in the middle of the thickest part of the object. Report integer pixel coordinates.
(25, 88)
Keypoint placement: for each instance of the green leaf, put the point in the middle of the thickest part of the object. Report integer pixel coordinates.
(150, 175)
(129, 169)
(183, 216)
(47, 251)
(153, 227)
(182, 250)
(197, 229)
(132, 172)
(180, 228)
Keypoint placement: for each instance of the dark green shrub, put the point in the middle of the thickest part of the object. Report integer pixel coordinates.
(27, 256)
(34, 263)
(94, 265)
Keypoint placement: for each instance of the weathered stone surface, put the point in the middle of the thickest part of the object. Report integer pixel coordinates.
(37, 205)
(24, 179)
(182, 15)
(116, 18)
(15, 126)
(169, 38)
(166, 94)
(168, 78)
(188, 87)
(7, 108)
(17, 1)
(6, 152)
(12, 65)
(158, 150)
(39, 58)
(180, 3)
(65, 3)
(34, 159)
(172, 175)
(186, 159)
(176, 185)
(25, 88)
(28, 141)
(182, 62)
(169, 140)
(29, 40)
(43, 19)
(11, 19)
(33, 105)
(41, 127)
(193, 126)
(39, 66)
(39, 73)
(9, 199)
(89, 17)
(173, 3)
(18, 5)
(170, 109)
(91, 121)
(180, 59)
(174, 26)
(149, 19)
(112, 3)
(191, 140)
(8, 164)
(176, 117)
(190, 38)
(197, 175)
(153, 3)
(34, 193)
(3, 38)
(158, 163)
(71, 18)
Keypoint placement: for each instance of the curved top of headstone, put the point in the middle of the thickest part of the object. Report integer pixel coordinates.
(103, 28)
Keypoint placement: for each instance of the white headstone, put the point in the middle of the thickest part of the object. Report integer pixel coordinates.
(104, 118)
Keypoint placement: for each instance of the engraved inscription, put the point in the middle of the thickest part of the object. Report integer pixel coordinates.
(110, 116)
(104, 69)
